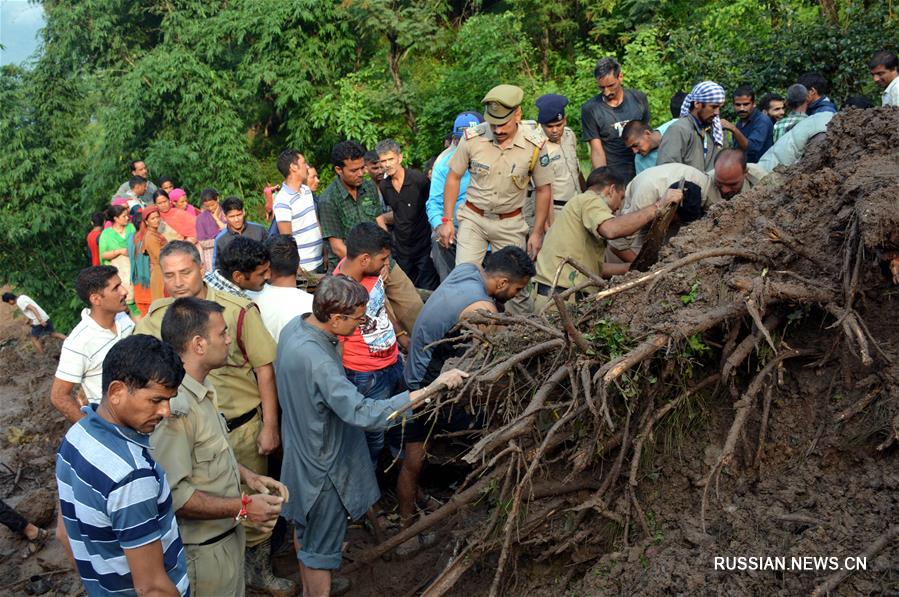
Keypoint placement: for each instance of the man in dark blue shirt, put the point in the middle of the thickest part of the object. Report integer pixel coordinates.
(817, 93)
(756, 128)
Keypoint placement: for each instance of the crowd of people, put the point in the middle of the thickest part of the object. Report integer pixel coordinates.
(219, 397)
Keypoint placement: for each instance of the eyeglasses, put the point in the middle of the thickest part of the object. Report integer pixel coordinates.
(361, 319)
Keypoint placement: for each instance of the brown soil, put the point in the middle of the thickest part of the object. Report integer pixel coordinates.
(819, 487)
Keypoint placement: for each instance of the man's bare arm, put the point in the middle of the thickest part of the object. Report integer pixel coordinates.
(597, 153)
(148, 571)
(285, 228)
(62, 399)
(338, 246)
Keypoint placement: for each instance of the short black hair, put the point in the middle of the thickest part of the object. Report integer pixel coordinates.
(744, 91)
(8, 296)
(366, 237)
(232, 203)
(511, 261)
(97, 218)
(209, 195)
(180, 246)
(242, 255)
(282, 248)
(139, 360)
(857, 101)
(603, 177)
(816, 81)
(677, 100)
(185, 318)
(337, 295)
(346, 150)
(765, 100)
(159, 193)
(93, 279)
(372, 156)
(136, 180)
(285, 159)
(164, 179)
(634, 129)
(605, 67)
(134, 163)
(884, 58)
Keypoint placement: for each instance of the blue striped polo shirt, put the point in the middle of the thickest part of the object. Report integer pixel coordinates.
(114, 496)
(298, 208)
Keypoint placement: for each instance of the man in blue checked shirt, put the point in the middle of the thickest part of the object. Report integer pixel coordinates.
(115, 503)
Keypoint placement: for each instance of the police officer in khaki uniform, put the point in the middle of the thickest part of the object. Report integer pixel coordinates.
(245, 386)
(561, 151)
(502, 155)
(192, 447)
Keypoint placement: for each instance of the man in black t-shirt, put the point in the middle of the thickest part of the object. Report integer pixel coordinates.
(405, 191)
(604, 116)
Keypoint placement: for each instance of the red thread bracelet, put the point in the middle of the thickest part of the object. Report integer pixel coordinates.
(244, 502)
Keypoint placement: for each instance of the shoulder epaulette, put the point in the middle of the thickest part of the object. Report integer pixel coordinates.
(160, 304)
(239, 301)
(476, 131)
(536, 137)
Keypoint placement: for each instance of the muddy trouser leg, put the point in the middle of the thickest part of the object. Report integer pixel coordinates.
(444, 259)
(12, 519)
(472, 237)
(512, 232)
(243, 442)
(217, 569)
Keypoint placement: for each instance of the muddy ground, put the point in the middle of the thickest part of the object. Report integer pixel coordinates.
(819, 487)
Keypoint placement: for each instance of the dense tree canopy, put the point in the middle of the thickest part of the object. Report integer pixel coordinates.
(208, 92)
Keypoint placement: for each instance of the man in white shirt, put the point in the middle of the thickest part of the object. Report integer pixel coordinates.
(281, 300)
(885, 69)
(103, 323)
(40, 322)
(294, 209)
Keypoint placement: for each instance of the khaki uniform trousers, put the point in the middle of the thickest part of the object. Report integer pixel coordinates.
(243, 442)
(217, 569)
(476, 232)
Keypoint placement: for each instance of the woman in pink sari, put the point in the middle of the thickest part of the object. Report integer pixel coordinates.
(184, 224)
(179, 200)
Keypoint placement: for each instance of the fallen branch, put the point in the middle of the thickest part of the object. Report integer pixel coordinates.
(834, 580)
(504, 367)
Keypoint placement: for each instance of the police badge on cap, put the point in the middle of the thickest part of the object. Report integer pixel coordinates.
(551, 108)
(501, 102)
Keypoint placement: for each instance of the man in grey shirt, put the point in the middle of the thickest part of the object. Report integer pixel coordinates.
(326, 465)
(138, 168)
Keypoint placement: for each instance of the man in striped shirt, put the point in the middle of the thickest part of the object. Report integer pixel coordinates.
(103, 323)
(294, 209)
(115, 501)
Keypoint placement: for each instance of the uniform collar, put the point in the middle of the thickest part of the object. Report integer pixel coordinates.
(196, 389)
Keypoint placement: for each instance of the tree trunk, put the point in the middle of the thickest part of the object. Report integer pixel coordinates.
(393, 57)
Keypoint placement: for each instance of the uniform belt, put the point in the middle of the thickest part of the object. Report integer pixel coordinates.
(217, 538)
(559, 202)
(240, 420)
(488, 214)
(543, 290)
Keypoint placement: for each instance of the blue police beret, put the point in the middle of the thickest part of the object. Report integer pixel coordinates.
(551, 108)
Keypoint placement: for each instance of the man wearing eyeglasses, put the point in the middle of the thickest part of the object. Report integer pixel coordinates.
(371, 353)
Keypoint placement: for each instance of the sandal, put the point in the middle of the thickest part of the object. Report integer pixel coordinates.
(36, 544)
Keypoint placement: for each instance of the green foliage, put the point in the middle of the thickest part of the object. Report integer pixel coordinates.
(209, 91)
(691, 296)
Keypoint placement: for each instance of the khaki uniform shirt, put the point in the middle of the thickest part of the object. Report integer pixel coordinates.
(574, 234)
(192, 447)
(235, 383)
(648, 187)
(561, 159)
(711, 194)
(500, 177)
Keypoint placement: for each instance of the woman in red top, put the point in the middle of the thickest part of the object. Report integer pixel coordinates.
(93, 237)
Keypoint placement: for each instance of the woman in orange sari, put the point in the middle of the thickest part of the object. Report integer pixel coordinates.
(150, 241)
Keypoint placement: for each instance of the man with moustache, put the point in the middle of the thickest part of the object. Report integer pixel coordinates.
(754, 132)
(604, 117)
(698, 135)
